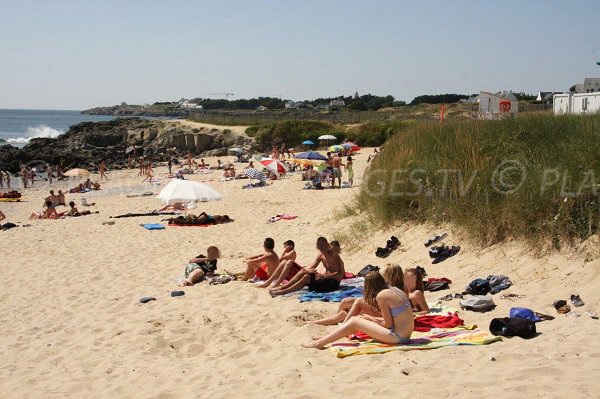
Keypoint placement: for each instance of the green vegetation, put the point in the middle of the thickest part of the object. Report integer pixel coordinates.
(534, 177)
(292, 132)
(438, 98)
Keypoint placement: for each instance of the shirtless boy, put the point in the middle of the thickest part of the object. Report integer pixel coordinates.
(267, 260)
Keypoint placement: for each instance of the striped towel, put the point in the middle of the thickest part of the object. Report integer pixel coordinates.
(419, 341)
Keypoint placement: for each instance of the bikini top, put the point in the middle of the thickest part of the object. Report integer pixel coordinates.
(396, 310)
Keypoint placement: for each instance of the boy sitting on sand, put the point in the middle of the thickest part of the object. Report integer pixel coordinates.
(317, 282)
(263, 265)
(287, 266)
(201, 266)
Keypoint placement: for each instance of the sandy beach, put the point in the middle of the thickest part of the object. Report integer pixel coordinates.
(71, 324)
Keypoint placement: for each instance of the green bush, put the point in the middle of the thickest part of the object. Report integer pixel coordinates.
(534, 177)
(372, 134)
(292, 133)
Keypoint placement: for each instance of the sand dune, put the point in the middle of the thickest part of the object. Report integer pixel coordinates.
(71, 324)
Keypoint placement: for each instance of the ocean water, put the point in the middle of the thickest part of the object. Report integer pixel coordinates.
(18, 126)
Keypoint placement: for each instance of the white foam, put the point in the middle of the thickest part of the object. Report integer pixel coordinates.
(41, 131)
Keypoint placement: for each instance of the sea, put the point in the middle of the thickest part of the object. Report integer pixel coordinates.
(18, 126)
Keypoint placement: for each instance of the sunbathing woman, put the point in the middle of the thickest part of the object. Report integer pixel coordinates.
(413, 284)
(396, 325)
(394, 277)
(176, 206)
(201, 219)
(201, 266)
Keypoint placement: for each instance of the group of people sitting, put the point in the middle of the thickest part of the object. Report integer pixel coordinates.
(85, 186)
(50, 204)
(385, 312)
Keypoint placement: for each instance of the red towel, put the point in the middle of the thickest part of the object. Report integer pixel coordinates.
(426, 323)
(434, 279)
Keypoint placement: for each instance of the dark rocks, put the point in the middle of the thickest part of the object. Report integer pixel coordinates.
(86, 144)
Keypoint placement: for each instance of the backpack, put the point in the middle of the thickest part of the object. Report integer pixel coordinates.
(478, 286)
(366, 270)
(513, 327)
(478, 303)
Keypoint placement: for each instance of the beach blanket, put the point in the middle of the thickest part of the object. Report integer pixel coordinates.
(12, 199)
(335, 296)
(419, 341)
(281, 217)
(153, 226)
(189, 225)
(132, 215)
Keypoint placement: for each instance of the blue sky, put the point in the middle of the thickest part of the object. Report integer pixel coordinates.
(78, 54)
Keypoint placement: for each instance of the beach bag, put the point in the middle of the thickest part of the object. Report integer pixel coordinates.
(523, 313)
(366, 270)
(513, 327)
(437, 286)
(478, 303)
(478, 287)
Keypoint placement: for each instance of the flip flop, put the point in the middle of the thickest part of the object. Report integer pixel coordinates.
(446, 298)
(543, 317)
(458, 296)
(147, 299)
(592, 314)
(576, 300)
(177, 293)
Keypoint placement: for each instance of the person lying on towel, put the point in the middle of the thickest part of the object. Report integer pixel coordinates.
(201, 219)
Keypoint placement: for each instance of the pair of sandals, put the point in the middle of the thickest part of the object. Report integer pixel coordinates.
(147, 299)
(441, 253)
(449, 297)
(436, 238)
(392, 244)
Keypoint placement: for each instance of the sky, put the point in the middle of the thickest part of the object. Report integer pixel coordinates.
(79, 54)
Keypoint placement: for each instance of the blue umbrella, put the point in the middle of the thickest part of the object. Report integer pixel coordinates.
(308, 142)
(311, 155)
(255, 174)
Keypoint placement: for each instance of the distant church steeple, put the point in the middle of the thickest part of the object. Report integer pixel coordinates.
(356, 94)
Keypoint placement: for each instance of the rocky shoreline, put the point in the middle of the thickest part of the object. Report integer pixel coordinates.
(85, 144)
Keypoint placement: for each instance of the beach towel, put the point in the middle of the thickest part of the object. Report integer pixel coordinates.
(419, 341)
(335, 296)
(153, 226)
(427, 322)
(281, 217)
(12, 199)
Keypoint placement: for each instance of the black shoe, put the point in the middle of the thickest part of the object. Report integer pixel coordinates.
(383, 252)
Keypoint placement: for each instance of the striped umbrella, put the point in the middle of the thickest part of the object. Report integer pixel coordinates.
(274, 165)
(255, 174)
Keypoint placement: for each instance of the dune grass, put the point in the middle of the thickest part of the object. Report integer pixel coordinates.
(534, 177)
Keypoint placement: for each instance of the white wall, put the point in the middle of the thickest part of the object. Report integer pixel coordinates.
(491, 104)
(583, 103)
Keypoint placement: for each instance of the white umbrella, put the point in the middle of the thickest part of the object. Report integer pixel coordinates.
(235, 149)
(188, 191)
(327, 137)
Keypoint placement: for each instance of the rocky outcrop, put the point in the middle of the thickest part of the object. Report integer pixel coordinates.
(85, 144)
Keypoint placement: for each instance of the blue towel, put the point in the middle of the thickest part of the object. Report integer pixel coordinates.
(153, 226)
(335, 296)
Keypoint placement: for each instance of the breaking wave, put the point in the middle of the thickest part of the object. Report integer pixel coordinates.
(41, 131)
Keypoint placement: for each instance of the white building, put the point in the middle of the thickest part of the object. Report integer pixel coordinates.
(187, 104)
(577, 103)
(495, 105)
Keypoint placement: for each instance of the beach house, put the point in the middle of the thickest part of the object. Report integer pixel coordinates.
(577, 103)
(497, 105)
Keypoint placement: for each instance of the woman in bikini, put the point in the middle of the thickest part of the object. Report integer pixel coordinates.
(393, 276)
(394, 327)
(413, 284)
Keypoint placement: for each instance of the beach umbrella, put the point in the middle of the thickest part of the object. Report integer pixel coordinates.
(129, 149)
(77, 172)
(255, 174)
(188, 191)
(235, 150)
(308, 142)
(327, 137)
(311, 155)
(336, 148)
(274, 165)
(350, 146)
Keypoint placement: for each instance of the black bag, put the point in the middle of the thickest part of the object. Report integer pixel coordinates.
(478, 286)
(437, 286)
(513, 327)
(367, 269)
